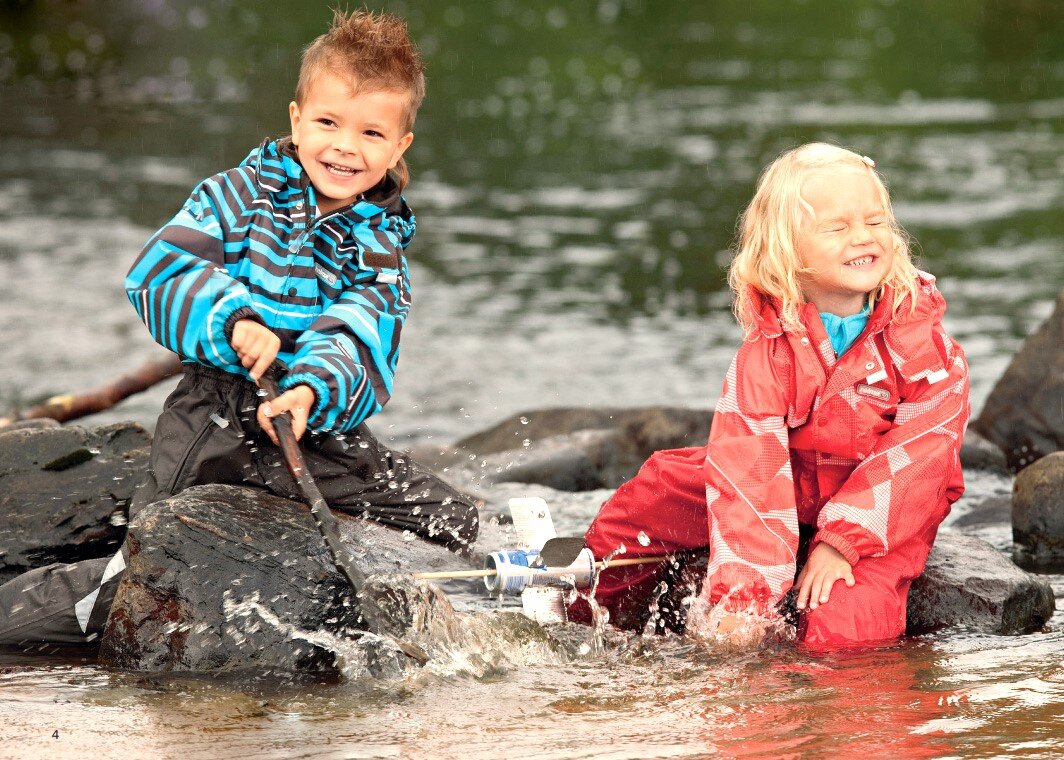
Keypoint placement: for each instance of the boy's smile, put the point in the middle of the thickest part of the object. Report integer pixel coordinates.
(847, 243)
(347, 141)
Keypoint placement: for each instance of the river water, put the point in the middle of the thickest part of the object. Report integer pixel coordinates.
(578, 169)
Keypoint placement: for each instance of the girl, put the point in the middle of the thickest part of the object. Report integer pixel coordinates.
(838, 428)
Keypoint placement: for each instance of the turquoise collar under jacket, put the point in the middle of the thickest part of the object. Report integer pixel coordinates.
(844, 331)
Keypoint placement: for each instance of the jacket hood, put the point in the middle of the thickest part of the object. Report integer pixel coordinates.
(278, 171)
(909, 333)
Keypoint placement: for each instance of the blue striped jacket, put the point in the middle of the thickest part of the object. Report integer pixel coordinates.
(335, 289)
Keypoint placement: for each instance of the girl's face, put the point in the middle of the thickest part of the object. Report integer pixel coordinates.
(847, 243)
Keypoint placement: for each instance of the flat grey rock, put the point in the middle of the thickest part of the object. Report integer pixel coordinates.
(65, 492)
(969, 584)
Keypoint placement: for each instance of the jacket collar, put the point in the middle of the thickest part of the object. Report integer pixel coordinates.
(909, 334)
(278, 171)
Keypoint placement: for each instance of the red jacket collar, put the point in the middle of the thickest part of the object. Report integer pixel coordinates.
(909, 333)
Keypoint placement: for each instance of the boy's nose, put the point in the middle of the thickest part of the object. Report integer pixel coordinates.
(344, 145)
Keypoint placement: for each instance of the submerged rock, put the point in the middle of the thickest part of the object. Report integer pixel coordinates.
(977, 453)
(1038, 514)
(1024, 414)
(65, 492)
(967, 583)
(569, 449)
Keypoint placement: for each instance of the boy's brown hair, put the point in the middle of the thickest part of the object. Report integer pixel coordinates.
(374, 50)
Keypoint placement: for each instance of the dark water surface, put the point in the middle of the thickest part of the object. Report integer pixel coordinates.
(578, 169)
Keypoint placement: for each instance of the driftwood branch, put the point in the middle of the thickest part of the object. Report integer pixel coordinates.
(71, 406)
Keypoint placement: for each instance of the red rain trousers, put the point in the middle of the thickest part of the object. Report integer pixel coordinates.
(864, 449)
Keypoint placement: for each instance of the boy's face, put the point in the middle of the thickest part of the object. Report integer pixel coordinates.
(345, 141)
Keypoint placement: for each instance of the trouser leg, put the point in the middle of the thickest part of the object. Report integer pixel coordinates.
(357, 474)
(873, 609)
(662, 510)
(208, 434)
(59, 603)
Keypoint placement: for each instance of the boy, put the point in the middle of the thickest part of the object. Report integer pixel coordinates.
(297, 255)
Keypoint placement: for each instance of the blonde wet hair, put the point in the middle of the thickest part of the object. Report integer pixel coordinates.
(767, 259)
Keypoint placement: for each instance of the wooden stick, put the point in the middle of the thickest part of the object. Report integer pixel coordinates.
(71, 406)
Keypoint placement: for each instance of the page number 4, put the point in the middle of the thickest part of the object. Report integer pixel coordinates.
(55, 734)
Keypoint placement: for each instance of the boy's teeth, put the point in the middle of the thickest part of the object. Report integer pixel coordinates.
(340, 169)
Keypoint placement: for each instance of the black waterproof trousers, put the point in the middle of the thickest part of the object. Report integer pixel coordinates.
(206, 434)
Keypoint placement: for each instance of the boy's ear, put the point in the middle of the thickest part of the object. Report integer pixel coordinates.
(400, 149)
(294, 118)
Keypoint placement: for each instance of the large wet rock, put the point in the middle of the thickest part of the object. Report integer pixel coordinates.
(65, 492)
(1038, 514)
(221, 578)
(1024, 414)
(967, 583)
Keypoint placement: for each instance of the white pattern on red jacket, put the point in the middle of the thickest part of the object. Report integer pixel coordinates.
(865, 447)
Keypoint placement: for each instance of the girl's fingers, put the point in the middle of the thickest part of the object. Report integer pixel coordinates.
(803, 591)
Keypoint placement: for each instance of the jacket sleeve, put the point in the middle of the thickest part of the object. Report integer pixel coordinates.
(348, 355)
(180, 288)
(913, 473)
(753, 521)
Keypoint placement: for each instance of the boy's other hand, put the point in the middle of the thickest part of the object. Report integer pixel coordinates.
(824, 566)
(297, 401)
(256, 345)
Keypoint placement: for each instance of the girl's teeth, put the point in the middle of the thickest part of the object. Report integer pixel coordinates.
(860, 262)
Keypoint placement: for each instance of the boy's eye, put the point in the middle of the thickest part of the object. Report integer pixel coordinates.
(373, 133)
(326, 122)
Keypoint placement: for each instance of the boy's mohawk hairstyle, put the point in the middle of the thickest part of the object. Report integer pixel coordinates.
(374, 49)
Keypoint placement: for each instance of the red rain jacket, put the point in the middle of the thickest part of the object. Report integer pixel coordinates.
(865, 446)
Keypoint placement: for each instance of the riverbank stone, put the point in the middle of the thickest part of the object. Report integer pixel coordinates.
(1038, 514)
(65, 492)
(968, 584)
(1024, 414)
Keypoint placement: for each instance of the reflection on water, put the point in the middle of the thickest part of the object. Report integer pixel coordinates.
(578, 171)
(666, 698)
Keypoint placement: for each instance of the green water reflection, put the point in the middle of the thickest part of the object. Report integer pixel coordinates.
(592, 149)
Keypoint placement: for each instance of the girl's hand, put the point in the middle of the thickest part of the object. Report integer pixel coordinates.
(297, 401)
(256, 345)
(824, 566)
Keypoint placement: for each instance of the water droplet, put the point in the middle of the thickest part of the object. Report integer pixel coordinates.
(524, 420)
(643, 538)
